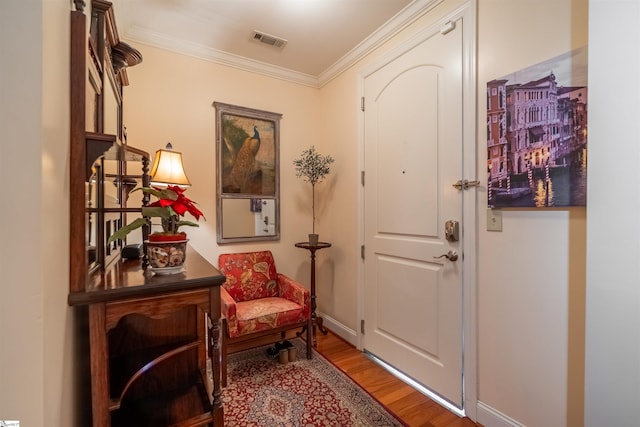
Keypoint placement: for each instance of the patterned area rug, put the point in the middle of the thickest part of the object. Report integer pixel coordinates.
(261, 392)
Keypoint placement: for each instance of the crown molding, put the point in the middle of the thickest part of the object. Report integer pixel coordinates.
(401, 20)
(223, 58)
(405, 17)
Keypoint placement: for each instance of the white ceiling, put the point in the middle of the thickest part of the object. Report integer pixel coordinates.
(324, 37)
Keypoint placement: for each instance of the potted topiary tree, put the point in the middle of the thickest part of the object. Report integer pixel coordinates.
(312, 167)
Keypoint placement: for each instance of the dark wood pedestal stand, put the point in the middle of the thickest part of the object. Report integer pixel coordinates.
(316, 321)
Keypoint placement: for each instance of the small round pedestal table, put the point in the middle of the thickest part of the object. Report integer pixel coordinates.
(316, 321)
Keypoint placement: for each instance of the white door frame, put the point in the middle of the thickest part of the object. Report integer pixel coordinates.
(468, 11)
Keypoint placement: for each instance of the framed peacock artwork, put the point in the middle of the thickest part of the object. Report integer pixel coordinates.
(247, 143)
(248, 170)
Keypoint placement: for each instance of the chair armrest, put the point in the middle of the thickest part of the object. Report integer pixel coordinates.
(294, 291)
(228, 311)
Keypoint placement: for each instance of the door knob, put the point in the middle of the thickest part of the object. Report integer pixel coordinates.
(451, 256)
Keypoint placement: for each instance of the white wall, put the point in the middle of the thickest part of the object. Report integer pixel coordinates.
(612, 395)
(530, 275)
(36, 381)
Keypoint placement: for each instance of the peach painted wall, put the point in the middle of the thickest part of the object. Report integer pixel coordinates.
(170, 99)
(517, 312)
(530, 276)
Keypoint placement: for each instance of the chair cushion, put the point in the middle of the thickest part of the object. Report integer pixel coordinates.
(250, 275)
(266, 313)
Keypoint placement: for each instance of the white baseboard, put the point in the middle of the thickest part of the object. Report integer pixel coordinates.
(489, 417)
(340, 330)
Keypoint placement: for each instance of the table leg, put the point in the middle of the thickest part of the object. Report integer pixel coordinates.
(318, 323)
(99, 354)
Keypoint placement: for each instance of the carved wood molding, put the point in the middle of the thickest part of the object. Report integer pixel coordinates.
(80, 5)
(123, 55)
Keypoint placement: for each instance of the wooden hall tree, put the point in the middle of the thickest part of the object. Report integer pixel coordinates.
(150, 336)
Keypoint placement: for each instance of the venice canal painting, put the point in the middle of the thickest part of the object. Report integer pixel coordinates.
(537, 135)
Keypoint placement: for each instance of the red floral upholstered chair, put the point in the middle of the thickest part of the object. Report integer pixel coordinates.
(258, 301)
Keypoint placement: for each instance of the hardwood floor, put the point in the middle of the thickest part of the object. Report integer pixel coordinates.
(413, 407)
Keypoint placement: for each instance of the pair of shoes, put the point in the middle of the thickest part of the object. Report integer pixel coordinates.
(287, 355)
(274, 351)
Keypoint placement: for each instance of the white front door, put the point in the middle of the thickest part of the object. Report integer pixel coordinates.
(413, 154)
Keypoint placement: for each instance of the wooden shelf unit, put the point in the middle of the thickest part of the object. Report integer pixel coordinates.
(153, 339)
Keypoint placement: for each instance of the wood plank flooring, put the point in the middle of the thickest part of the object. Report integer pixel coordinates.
(413, 407)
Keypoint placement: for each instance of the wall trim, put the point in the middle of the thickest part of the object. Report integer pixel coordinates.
(199, 51)
(344, 332)
(490, 417)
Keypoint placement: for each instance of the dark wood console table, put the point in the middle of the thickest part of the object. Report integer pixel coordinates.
(150, 339)
(316, 321)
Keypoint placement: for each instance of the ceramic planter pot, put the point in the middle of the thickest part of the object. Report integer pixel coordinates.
(166, 253)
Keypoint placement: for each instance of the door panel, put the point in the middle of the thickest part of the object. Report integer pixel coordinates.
(404, 163)
(413, 154)
(417, 298)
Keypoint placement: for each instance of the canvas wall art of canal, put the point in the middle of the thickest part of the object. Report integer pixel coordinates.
(537, 135)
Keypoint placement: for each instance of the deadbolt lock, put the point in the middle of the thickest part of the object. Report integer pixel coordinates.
(452, 230)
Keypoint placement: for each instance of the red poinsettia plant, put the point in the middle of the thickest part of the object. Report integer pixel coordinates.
(170, 206)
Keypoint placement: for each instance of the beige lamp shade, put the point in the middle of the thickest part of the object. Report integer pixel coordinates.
(167, 168)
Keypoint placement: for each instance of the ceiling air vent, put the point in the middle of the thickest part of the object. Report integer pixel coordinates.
(269, 39)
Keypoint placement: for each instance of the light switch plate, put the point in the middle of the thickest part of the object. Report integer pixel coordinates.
(494, 220)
